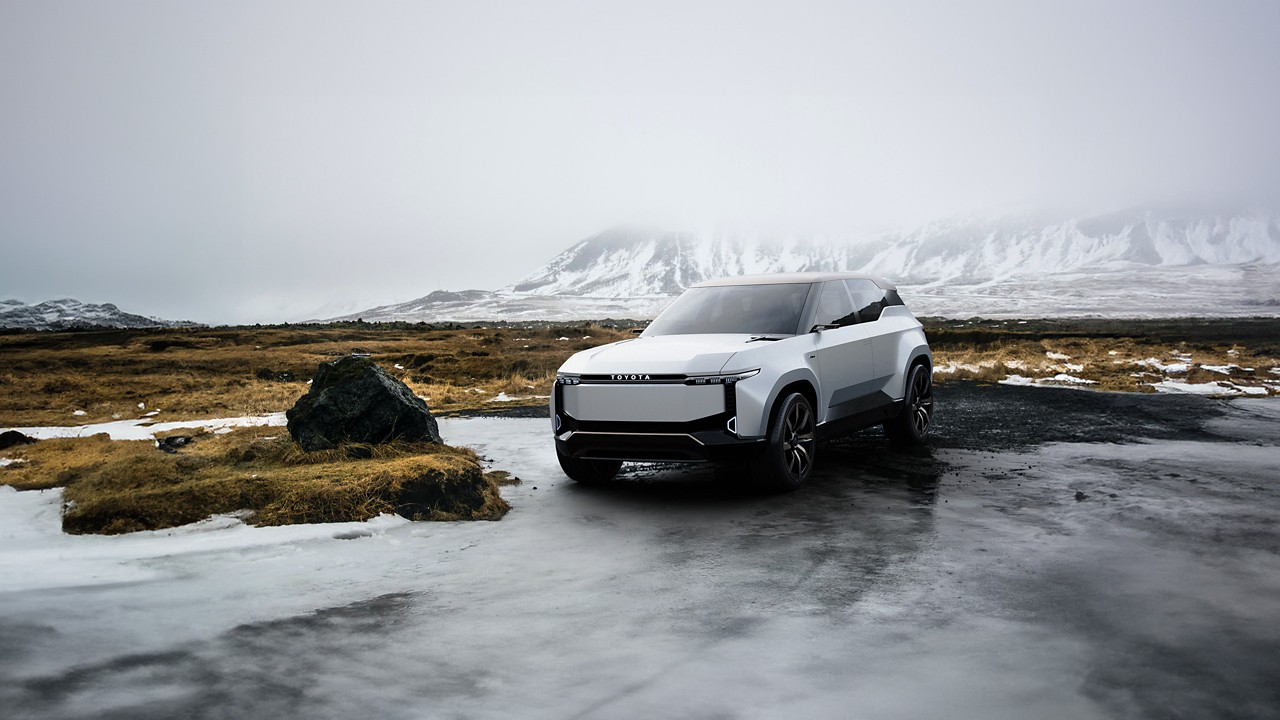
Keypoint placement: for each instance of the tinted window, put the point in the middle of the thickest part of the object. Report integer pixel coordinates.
(834, 307)
(868, 297)
(892, 297)
(747, 309)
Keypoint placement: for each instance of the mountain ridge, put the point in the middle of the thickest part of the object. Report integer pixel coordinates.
(1138, 263)
(72, 314)
(619, 262)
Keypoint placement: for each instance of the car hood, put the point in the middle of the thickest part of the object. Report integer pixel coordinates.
(664, 354)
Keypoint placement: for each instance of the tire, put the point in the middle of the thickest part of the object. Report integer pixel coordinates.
(790, 453)
(912, 425)
(589, 471)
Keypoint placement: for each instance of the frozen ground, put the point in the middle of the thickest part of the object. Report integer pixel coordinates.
(962, 581)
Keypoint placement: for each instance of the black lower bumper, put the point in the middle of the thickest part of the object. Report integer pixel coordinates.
(704, 446)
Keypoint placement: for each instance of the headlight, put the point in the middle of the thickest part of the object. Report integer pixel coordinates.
(568, 379)
(721, 379)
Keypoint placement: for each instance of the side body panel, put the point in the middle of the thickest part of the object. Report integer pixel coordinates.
(845, 371)
(781, 363)
(901, 343)
(756, 399)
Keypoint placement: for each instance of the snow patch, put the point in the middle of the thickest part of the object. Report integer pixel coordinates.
(1069, 379)
(1056, 355)
(1176, 367)
(1217, 388)
(1059, 379)
(142, 429)
(6, 462)
(1017, 380)
(951, 368)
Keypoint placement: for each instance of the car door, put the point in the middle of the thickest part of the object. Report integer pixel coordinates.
(843, 353)
(869, 300)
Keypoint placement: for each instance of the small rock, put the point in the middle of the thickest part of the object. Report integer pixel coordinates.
(1112, 495)
(9, 438)
(172, 443)
(1080, 496)
(275, 375)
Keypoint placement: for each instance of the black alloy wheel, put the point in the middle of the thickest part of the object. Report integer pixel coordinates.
(792, 448)
(913, 424)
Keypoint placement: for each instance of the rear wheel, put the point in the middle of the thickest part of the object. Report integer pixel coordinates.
(912, 425)
(792, 448)
(588, 471)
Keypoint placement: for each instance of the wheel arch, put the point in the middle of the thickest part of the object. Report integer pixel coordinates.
(918, 355)
(805, 388)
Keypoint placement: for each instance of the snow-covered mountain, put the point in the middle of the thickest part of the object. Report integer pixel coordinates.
(631, 262)
(1145, 263)
(70, 314)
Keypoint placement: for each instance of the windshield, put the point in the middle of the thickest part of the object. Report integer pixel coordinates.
(745, 309)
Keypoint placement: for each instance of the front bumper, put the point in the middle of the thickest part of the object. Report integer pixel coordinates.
(705, 446)
(707, 439)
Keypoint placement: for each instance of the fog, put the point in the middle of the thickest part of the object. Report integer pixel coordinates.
(267, 161)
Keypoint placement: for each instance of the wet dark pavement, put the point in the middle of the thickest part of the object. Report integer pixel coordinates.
(1050, 554)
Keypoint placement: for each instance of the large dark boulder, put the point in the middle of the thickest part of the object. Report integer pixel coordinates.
(354, 400)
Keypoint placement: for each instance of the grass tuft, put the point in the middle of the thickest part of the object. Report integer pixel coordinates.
(124, 486)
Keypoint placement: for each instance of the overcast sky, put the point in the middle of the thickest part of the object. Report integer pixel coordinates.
(259, 161)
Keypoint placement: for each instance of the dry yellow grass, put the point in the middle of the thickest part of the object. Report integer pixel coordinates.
(123, 486)
(219, 372)
(1124, 364)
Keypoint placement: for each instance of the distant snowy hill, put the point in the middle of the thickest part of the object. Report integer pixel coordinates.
(627, 262)
(482, 305)
(70, 314)
(1145, 263)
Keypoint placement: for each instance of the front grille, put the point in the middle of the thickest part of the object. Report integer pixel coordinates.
(633, 379)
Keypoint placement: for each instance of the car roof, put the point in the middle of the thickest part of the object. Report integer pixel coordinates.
(794, 278)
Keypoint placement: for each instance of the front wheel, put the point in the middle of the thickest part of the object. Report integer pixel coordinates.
(792, 447)
(588, 471)
(912, 425)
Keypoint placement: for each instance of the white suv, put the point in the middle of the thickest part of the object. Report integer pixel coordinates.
(749, 370)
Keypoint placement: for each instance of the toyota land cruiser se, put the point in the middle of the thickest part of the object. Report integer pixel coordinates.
(753, 371)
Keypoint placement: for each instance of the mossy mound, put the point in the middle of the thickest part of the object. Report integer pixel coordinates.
(123, 486)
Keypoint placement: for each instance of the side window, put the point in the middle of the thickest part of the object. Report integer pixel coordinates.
(868, 298)
(834, 307)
